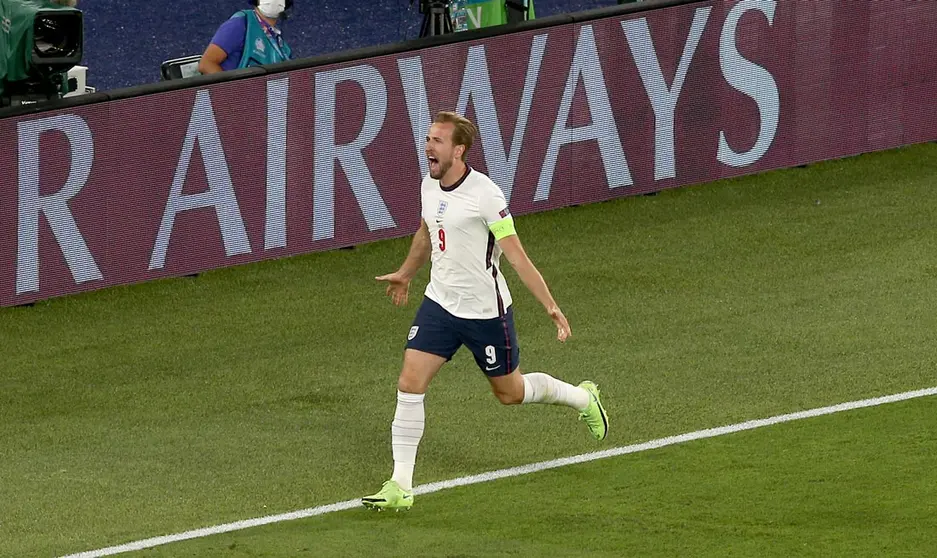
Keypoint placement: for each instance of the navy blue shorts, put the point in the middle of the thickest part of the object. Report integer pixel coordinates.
(493, 342)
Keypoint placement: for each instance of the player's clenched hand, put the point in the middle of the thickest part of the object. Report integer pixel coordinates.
(398, 287)
(562, 326)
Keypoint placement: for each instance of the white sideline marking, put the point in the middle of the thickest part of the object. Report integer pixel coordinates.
(511, 472)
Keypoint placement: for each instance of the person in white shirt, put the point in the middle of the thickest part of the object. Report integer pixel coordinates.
(465, 227)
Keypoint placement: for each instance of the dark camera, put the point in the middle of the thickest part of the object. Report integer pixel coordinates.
(57, 38)
(43, 41)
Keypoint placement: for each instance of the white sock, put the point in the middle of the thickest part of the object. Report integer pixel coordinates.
(406, 431)
(543, 388)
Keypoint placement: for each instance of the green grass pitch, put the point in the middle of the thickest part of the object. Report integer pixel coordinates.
(163, 407)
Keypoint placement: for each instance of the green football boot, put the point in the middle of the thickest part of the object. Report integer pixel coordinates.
(594, 415)
(390, 497)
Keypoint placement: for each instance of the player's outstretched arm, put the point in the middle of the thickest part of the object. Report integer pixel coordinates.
(398, 282)
(530, 275)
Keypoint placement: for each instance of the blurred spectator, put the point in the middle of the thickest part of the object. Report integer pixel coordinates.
(248, 38)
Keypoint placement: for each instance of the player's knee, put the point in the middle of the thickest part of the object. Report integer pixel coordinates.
(409, 384)
(510, 397)
(412, 381)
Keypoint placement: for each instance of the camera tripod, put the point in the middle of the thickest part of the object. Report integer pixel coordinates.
(436, 18)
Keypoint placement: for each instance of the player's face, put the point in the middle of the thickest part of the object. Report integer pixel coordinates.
(439, 149)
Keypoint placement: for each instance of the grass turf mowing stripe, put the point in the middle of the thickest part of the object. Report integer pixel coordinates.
(511, 472)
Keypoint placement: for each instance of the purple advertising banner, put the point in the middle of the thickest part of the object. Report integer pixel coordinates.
(174, 183)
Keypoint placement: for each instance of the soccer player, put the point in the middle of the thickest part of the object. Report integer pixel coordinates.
(465, 227)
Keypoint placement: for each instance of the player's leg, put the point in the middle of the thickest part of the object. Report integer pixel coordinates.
(419, 368)
(509, 388)
(430, 344)
(538, 387)
(494, 344)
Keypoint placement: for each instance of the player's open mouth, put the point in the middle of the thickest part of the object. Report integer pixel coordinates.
(433, 162)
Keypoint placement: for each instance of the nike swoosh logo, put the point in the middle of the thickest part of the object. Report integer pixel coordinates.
(601, 412)
(490, 369)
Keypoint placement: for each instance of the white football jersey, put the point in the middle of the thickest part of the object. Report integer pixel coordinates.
(465, 277)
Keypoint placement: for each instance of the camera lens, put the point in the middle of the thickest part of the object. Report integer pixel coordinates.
(54, 38)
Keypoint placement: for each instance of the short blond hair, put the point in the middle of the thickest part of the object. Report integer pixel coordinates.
(464, 132)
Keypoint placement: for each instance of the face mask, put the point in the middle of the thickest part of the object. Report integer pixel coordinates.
(271, 8)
